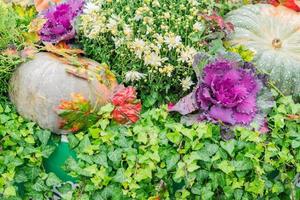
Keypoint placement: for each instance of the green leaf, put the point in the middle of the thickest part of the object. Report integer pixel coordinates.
(242, 165)
(192, 166)
(103, 123)
(180, 172)
(256, 187)
(73, 141)
(4, 118)
(9, 191)
(174, 137)
(89, 171)
(21, 176)
(84, 144)
(115, 155)
(142, 137)
(228, 146)
(43, 136)
(143, 173)
(32, 172)
(106, 109)
(120, 176)
(39, 186)
(101, 159)
(295, 144)
(226, 166)
(172, 160)
(52, 180)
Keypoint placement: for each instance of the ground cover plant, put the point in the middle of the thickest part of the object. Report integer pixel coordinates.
(196, 114)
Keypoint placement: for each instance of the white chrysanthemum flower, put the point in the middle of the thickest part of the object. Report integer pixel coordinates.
(194, 2)
(127, 31)
(188, 55)
(138, 47)
(91, 7)
(198, 26)
(186, 83)
(168, 69)
(172, 41)
(155, 3)
(133, 76)
(112, 24)
(118, 41)
(153, 59)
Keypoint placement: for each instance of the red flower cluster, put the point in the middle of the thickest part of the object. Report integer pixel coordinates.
(127, 107)
(292, 4)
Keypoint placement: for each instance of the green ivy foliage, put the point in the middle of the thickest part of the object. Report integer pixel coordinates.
(159, 158)
(156, 158)
(22, 148)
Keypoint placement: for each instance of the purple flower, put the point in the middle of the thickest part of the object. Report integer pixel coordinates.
(60, 21)
(228, 93)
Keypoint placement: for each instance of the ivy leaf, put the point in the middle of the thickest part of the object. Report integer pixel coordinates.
(120, 176)
(52, 180)
(89, 171)
(295, 144)
(228, 146)
(256, 187)
(9, 191)
(172, 160)
(180, 172)
(115, 156)
(174, 137)
(39, 186)
(32, 172)
(226, 166)
(47, 151)
(192, 166)
(143, 173)
(242, 165)
(21, 177)
(73, 141)
(43, 136)
(101, 159)
(84, 144)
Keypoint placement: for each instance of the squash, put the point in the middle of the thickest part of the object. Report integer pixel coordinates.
(38, 87)
(273, 33)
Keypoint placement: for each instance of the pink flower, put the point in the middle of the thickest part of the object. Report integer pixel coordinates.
(127, 108)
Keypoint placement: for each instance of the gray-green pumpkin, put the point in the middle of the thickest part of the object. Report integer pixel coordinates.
(38, 87)
(273, 33)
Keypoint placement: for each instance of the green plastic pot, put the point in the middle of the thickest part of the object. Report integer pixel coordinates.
(58, 158)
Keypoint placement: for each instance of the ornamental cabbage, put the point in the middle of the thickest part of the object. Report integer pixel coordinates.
(228, 92)
(60, 21)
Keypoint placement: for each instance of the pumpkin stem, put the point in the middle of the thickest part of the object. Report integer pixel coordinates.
(276, 43)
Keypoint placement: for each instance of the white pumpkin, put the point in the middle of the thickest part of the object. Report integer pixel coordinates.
(273, 33)
(38, 86)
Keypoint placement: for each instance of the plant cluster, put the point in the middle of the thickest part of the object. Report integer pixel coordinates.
(151, 44)
(23, 146)
(159, 158)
